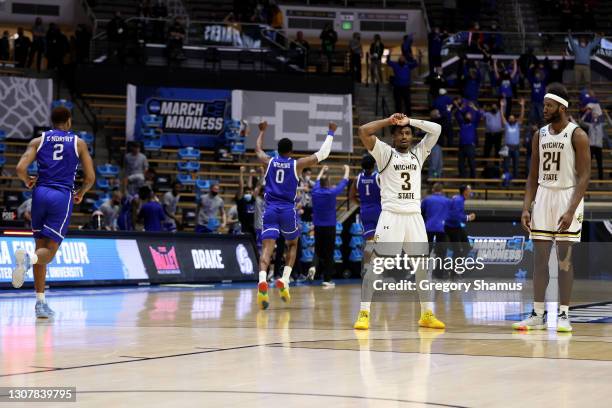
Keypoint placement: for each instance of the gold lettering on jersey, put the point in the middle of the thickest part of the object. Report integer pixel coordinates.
(405, 196)
(404, 167)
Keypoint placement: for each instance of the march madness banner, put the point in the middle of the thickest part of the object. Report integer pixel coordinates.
(179, 116)
(24, 104)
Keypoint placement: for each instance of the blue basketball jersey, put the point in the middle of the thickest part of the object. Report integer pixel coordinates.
(369, 192)
(281, 181)
(57, 159)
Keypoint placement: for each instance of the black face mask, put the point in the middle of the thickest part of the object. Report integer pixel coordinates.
(213, 193)
(494, 110)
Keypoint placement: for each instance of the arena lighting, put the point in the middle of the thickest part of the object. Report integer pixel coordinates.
(25, 233)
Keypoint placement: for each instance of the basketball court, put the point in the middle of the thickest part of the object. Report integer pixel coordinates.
(189, 346)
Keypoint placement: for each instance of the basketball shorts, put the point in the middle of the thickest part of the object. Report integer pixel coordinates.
(549, 205)
(368, 221)
(398, 231)
(51, 210)
(280, 220)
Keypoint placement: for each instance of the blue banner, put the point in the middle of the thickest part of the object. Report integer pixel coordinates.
(80, 259)
(179, 116)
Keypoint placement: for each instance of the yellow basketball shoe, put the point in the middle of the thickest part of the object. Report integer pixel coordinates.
(283, 290)
(428, 319)
(363, 320)
(262, 295)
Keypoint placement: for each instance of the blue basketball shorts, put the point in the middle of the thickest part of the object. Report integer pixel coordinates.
(280, 220)
(51, 210)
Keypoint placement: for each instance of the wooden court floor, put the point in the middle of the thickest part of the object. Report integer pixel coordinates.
(195, 347)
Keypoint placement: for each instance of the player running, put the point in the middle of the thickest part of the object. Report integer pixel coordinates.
(281, 183)
(400, 225)
(58, 153)
(558, 178)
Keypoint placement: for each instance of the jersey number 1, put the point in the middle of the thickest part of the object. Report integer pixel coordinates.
(58, 149)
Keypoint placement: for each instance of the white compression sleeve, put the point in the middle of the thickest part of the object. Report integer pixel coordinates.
(325, 148)
(432, 129)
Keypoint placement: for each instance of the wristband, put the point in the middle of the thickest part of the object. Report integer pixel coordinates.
(330, 133)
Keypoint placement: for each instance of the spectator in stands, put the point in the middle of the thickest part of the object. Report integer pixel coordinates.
(582, 50)
(506, 80)
(110, 210)
(468, 138)
(436, 82)
(435, 40)
(24, 212)
(377, 49)
(401, 83)
(435, 208)
(38, 43)
(356, 53)
(456, 221)
(83, 39)
(512, 137)
(210, 208)
(151, 213)
(306, 185)
(435, 157)
(22, 47)
(472, 79)
(596, 135)
(444, 104)
(324, 219)
(493, 131)
(116, 32)
(406, 46)
(526, 62)
(159, 12)
(176, 35)
(276, 17)
(554, 69)
(245, 204)
(170, 202)
(537, 79)
(5, 47)
(301, 47)
(135, 164)
(328, 37)
(475, 38)
(233, 222)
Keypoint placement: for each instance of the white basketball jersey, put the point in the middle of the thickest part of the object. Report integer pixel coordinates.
(557, 158)
(400, 177)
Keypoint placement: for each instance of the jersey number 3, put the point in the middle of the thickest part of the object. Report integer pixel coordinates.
(58, 149)
(551, 158)
(406, 177)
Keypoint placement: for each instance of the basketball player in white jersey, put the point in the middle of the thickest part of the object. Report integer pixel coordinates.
(558, 178)
(400, 225)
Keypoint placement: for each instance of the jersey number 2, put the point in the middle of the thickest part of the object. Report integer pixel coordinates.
(406, 177)
(58, 149)
(280, 176)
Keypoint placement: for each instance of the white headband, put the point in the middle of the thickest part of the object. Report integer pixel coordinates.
(557, 98)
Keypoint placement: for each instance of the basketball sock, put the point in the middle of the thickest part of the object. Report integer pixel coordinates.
(40, 297)
(427, 306)
(286, 274)
(33, 258)
(564, 309)
(262, 276)
(539, 308)
(424, 295)
(365, 306)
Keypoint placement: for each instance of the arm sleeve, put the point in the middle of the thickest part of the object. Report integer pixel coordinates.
(381, 153)
(325, 149)
(431, 137)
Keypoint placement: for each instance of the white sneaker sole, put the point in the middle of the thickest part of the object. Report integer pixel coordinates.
(536, 327)
(19, 270)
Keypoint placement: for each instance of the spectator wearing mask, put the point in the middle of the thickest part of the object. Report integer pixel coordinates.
(135, 164)
(111, 209)
(5, 47)
(472, 79)
(356, 53)
(468, 138)
(210, 208)
(582, 50)
(537, 79)
(506, 81)
(22, 47)
(493, 131)
(401, 83)
(151, 212)
(324, 220)
(170, 202)
(512, 137)
(457, 220)
(435, 40)
(435, 208)
(245, 204)
(377, 49)
(444, 104)
(38, 43)
(329, 38)
(596, 133)
(24, 212)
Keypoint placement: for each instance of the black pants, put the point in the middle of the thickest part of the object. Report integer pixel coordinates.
(356, 67)
(437, 243)
(402, 94)
(458, 241)
(325, 239)
(492, 141)
(596, 151)
(467, 152)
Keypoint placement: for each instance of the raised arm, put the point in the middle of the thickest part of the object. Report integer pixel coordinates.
(323, 152)
(353, 196)
(342, 184)
(26, 159)
(241, 182)
(532, 181)
(367, 132)
(522, 115)
(322, 172)
(580, 141)
(495, 68)
(89, 174)
(514, 69)
(502, 109)
(261, 155)
(432, 133)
